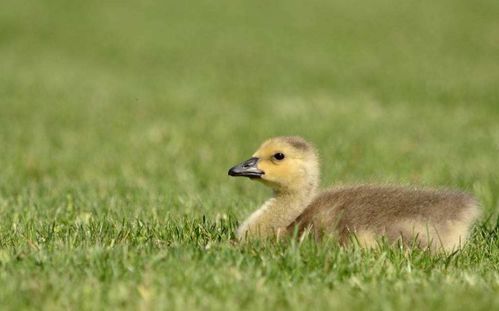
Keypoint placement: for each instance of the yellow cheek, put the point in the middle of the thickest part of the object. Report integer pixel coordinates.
(265, 166)
(274, 172)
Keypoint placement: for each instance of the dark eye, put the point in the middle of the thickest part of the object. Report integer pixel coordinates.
(279, 156)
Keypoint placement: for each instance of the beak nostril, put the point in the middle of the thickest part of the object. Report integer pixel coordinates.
(247, 168)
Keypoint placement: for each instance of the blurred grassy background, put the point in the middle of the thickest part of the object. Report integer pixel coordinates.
(114, 111)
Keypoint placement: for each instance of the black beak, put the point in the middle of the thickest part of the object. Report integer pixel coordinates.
(247, 169)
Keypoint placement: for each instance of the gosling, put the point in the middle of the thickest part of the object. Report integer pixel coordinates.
(439, 220)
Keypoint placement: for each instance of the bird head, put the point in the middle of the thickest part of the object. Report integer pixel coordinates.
(286, 164)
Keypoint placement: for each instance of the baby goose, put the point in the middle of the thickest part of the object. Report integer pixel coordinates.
(434, 219)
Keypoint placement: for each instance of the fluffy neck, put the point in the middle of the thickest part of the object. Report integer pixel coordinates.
(278, 212)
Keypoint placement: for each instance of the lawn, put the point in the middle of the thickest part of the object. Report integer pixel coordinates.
(119, 121)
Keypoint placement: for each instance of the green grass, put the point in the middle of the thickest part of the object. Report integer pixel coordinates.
(118, 122)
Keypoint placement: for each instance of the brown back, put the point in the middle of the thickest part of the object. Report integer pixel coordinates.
(378, 208)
